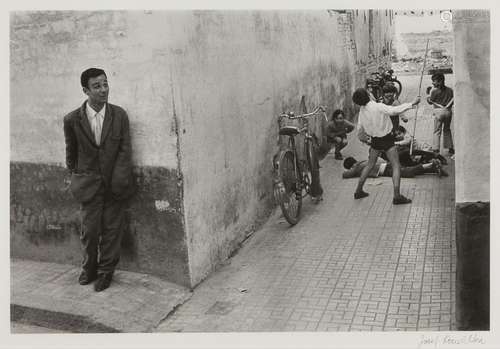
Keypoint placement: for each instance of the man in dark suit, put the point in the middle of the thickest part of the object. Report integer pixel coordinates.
(98, 156)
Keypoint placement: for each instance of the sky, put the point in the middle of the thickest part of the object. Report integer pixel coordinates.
(422, 24)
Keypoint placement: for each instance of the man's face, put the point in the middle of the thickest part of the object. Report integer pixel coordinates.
(437, 83)
(339, 118)
(97, 90)
(389, 98)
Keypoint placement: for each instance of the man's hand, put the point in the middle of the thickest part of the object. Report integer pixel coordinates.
(416, 101)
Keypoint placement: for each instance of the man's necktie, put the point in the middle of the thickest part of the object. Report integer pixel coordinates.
(97, 129)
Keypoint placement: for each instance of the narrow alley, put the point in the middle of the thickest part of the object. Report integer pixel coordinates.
(348, 265)
(142, 193)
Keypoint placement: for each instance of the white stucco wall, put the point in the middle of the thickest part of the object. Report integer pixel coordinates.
(235, 72)
(49, 50)
(472, 105)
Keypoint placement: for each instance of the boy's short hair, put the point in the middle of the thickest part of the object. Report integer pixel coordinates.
(90, 73)
(438, 77)
(337, 113)
(389, 88)
(361, 97)
(349, 162)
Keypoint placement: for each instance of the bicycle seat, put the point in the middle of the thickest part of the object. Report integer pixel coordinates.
(289, 131)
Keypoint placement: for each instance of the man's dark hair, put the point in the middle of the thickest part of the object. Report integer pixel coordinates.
(349, 162)
(389, 88)
(438, 77)
(90, 73)
(361, 97)
(337, 113)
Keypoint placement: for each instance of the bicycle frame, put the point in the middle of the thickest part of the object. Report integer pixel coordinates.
(292, 172)
(301, 164)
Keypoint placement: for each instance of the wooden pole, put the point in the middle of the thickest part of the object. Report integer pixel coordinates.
(419, 88)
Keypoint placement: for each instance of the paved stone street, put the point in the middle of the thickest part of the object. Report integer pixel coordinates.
(348, 265)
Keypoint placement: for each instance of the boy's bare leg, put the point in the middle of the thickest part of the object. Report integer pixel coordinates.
(372, 160)
(392, 156)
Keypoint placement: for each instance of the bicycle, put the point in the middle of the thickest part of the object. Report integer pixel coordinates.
(296, 177)
(377, 81)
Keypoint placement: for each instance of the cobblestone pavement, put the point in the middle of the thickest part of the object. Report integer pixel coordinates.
(348, 265)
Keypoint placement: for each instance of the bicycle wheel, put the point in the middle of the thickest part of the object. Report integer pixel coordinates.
(290, 199)
(398, 86)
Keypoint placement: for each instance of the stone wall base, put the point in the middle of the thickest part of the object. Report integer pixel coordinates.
(473, 266)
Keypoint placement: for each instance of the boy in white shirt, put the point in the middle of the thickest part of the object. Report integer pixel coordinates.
(375, 121)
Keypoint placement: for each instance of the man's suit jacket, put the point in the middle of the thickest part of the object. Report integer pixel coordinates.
(93, 165)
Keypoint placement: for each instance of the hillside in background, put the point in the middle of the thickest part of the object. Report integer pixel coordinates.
(412, 52)
(415, 42)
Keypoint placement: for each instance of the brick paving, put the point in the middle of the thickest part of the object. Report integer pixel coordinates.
(348, 265)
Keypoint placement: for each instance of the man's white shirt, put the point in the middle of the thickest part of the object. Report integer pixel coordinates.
(96, 118)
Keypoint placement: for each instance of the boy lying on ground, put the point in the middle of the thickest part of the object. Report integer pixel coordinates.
(384, 169)
(419, 156)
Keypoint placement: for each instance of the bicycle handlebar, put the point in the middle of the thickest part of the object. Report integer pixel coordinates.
(318, 110)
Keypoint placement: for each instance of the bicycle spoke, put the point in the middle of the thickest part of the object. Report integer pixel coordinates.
(292, 204)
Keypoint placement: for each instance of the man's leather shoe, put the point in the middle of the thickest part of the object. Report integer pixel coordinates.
(86, 277)
(103, 282)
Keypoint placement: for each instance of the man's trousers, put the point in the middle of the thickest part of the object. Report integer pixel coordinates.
(442, 126)
(102, 229)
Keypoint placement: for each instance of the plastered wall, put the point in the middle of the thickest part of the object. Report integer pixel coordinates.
(472, 105)
(237, 72)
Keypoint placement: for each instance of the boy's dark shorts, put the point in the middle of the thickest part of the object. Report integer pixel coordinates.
(383, 143)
